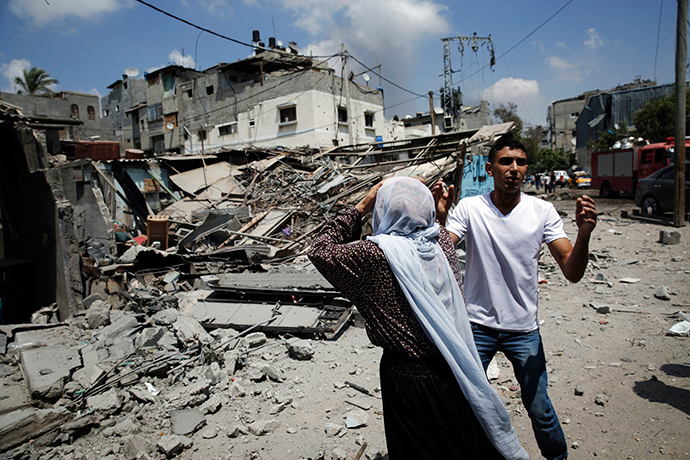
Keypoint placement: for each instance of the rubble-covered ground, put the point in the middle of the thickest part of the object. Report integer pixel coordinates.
(619, 380)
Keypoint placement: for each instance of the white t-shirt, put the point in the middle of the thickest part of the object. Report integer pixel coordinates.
(502, 257)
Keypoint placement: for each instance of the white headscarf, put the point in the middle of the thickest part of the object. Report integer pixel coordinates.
(405, 229)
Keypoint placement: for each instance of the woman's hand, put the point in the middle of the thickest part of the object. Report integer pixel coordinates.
(367, 204)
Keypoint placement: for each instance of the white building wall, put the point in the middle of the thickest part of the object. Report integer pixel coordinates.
(316, 124)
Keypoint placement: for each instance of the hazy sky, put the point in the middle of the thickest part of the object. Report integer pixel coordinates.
(589, 44)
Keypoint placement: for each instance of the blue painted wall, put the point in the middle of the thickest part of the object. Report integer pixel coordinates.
(475, 180)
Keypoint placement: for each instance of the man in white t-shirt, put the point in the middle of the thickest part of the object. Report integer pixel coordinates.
(503, 232)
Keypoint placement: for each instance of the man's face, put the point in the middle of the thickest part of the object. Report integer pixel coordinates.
(508, 170)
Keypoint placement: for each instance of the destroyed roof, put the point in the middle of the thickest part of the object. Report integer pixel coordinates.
(270, 61)
(12, 112)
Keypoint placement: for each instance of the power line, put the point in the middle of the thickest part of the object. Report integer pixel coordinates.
(658, 33)
(194, 25)
(387, 80)
(525, 38)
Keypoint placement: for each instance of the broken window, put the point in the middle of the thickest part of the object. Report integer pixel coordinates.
(251, 122)
(189, 93)
(155, 112)
(209, 90)
(342, 115)
(74, 108)
(168, 84)
(230, 128)
(288, 114)
(106, 112)
(91, 112)
(158, 144)
(368, 119)
(201, 134)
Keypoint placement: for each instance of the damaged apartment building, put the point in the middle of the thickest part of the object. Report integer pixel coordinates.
(276, 97)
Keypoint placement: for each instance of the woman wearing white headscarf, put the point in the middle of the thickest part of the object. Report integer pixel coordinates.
(437, 402)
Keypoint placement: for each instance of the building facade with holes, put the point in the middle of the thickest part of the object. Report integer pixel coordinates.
(124, 94)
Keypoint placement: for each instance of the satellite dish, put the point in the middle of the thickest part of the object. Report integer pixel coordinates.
(170, 126)
(573, 141)
(279, 43)
(131, 71)
(366, 77)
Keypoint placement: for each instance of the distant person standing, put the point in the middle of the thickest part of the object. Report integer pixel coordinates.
(537, 180)
(503, 232)
(552, 181)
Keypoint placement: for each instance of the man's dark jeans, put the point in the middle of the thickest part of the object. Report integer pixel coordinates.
(526, 352)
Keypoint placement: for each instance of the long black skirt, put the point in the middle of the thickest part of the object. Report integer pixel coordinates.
(426, 415)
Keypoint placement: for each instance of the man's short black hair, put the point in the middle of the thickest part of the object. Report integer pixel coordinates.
(503, 142)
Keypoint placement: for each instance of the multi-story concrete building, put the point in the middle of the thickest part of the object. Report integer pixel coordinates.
(124, 94)
(273, 98)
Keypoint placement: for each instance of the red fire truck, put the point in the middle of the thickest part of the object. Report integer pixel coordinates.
(617, 171)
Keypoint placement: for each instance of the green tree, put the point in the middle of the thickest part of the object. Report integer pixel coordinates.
(34, 81)
(506, 113)
(608, 138)
(655, 120)
(551, 160)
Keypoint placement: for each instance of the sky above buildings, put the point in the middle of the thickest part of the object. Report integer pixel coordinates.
(545, 49)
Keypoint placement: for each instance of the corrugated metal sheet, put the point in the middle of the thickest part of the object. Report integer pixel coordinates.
(626, 103)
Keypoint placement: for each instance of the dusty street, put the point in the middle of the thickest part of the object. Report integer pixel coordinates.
(619, 382)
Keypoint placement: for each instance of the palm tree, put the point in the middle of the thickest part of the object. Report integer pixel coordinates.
(36, 80)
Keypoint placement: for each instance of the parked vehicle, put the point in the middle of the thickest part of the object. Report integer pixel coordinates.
(619, 170)
(582, 180)
(561, 178)
(654, 194)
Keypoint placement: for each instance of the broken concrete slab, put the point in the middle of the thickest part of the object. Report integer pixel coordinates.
(173, 444)
(187, 328)
(263, 427)
(135, 445)
(107, 402)
(186, 421)
(21, 425)
(47, 369)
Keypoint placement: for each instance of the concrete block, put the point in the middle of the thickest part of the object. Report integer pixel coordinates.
(98, 314)
(173, 444)
(300, 349)
(669, 237)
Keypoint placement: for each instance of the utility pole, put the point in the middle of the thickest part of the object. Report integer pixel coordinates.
(450, 107)
(679, 161)
(431, 112)
(346, 82)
